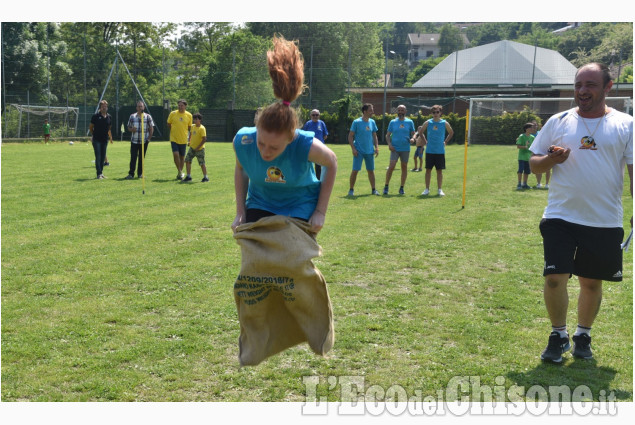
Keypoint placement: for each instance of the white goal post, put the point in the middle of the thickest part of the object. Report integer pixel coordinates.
(64, 112)
(541, 107)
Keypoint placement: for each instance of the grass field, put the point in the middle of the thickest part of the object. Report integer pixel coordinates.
(111, 295)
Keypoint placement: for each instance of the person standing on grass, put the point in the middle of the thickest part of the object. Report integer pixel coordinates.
(439, 132)
(522, 144)
(274, 172)
(179, 123)
(100, 128)
(134, 127)
(587, 148)
(418, 156)
(198, 137)
(400, 131)
(539, 175)
(317, 126)
(363, 140)
(46, 129)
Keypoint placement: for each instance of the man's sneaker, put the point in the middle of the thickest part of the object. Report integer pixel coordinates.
(526, 186)
(351, 192)
(426, 192)
(401, 192)
(414, 169)
(187, 179)
(385, 190)
(582, 346)
(546, 186)
(519, 187)
(106, 164)
(441, 193)
(179, 176)
(374, 192)
(555, 347)
(205, 179)
(419, 169)
(129, 177)
(538, 186)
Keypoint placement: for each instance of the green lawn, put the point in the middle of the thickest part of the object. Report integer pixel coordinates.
(109, 294)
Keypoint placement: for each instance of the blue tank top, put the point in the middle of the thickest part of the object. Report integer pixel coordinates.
(285, 186)
(435, 133)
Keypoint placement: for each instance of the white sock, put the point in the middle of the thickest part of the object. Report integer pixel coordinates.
(582, 330)
(562, 331)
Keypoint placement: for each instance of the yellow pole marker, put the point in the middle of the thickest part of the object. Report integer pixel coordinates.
(143, 170)
(467, 120)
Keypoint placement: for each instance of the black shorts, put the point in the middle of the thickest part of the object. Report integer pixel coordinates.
(435, 160)
(591, 252)
(523, 167)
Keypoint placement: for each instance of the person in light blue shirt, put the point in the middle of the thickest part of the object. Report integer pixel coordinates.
(317, 126)
(287, 184)
(439, 132)
(274, 172)
(363, 140)
(400, 131)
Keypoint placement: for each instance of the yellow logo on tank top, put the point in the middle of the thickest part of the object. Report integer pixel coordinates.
(274, 175)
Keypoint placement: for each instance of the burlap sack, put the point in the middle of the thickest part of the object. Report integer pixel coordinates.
(280, 295)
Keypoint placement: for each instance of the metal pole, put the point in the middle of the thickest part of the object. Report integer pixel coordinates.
(163, 72)
(28, 115)
(234, 77)
(619, 71)
(117, 90)
(48, 70)
(456, 67)
(383, 121)
(348, 103)
(311, 79)
(533, 71)
(85, 100)
(134, 84)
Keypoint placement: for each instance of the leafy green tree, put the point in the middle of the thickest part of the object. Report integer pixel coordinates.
(449, 39)
(485, 34)
(422, 68)
(539, 36)
(366, 53)
(204, 37)
(626, 75)
(241, 58)
(34, 53)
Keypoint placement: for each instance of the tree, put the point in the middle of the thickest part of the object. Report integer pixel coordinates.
(449, 40)
(366, 53)
(484, 34)
(422, 68)
(33, 53)
(240, 57)
(204, 37)
(325, 55)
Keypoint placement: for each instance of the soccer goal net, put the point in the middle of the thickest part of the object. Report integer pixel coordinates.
(497, 120)
(27, 121)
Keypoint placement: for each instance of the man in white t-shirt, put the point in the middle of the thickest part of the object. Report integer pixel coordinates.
(586, 148)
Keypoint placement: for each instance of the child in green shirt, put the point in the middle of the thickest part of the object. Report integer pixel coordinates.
(523, 143)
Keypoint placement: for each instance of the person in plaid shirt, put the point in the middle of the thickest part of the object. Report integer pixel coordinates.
(134, 126)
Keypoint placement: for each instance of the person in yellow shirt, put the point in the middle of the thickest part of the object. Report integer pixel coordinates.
(179, 123)
(198, 137)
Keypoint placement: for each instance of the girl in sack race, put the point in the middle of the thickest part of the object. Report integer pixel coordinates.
(281, 298)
